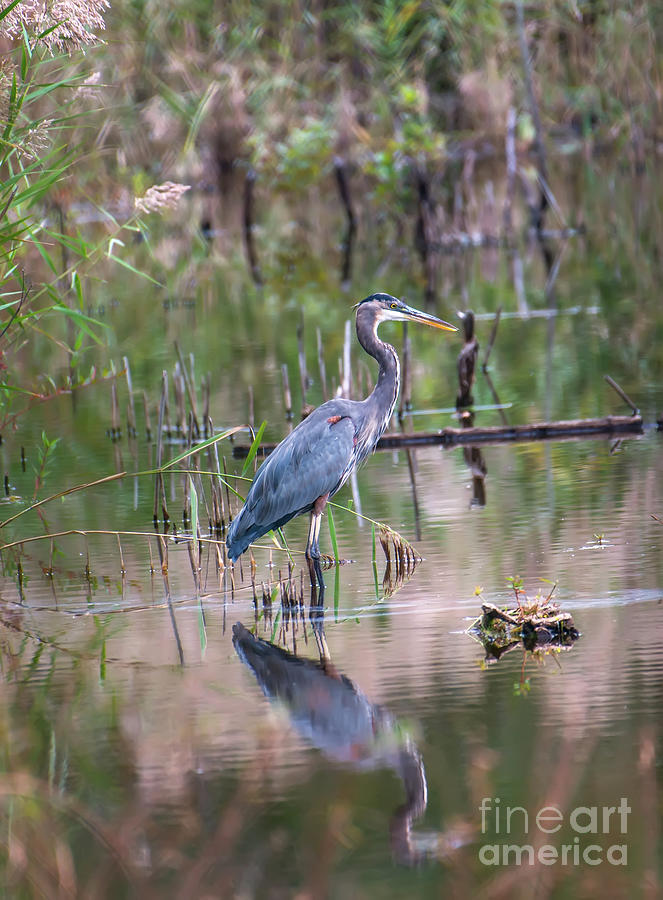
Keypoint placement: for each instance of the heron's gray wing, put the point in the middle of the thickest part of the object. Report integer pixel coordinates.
(312, 461)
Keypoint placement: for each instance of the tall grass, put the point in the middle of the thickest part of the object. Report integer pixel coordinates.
(51, 115)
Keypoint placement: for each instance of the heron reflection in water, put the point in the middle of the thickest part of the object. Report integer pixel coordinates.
(314, 461)
(332, 714)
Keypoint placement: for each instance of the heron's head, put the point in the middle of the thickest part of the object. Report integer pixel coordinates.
(384, 307)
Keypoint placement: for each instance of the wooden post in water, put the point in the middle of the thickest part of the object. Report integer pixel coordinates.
(467, 359)
(343, 185)
(511, 167)
(287, 397)
(249, 243)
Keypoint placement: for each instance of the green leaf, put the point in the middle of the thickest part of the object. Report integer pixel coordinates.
(198, 117)
(253, 448)
(77, 287)
(202, 626)
(46, 256)
(202, 446)
(194, 508)
(81, 320)
(24, 60)
(277, 617)
(47, 31)
(332, 533)
(7, 9)
(123, 262)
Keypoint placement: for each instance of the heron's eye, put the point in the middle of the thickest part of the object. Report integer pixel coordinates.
(394, 305)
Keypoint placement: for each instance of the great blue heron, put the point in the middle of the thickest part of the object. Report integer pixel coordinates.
(316, 458)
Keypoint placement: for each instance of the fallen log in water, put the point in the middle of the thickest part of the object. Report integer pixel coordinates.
(607, 426)
(498, 434)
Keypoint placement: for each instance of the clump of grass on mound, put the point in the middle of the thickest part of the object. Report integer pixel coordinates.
(534, 623)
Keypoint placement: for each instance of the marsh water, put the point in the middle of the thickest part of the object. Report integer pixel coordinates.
(153, 747)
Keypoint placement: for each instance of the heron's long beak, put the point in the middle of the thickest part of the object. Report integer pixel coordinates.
(415, 315)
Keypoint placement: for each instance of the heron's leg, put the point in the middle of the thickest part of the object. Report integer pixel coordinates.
(312, 547)
(310, 550)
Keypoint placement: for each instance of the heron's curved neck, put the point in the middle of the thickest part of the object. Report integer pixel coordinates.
(382, 399)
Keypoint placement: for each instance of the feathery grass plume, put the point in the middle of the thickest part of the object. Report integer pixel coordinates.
(62, 25)
(36, 140)
(160, 197)
(89, 89)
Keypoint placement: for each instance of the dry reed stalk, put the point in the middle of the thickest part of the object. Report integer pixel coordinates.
(215, 521)
(123, 569)
(188, 384)
(148, 422)
(159, 486)
(115, 430)
(220, 564)
(251, 415)
(186, 512)
(131, 410)
(163, 555)
(201, 493)
(384, 541)
(87, 560)
(220, 523)
(287, 397)
(225, 477)
(149, 547)
(206, 390)
(178, 387)
(321, 365)
(301, 358)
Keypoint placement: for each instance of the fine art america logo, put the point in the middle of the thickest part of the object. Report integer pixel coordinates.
(586, 844)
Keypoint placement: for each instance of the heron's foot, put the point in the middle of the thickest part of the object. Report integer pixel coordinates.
(315, 572)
